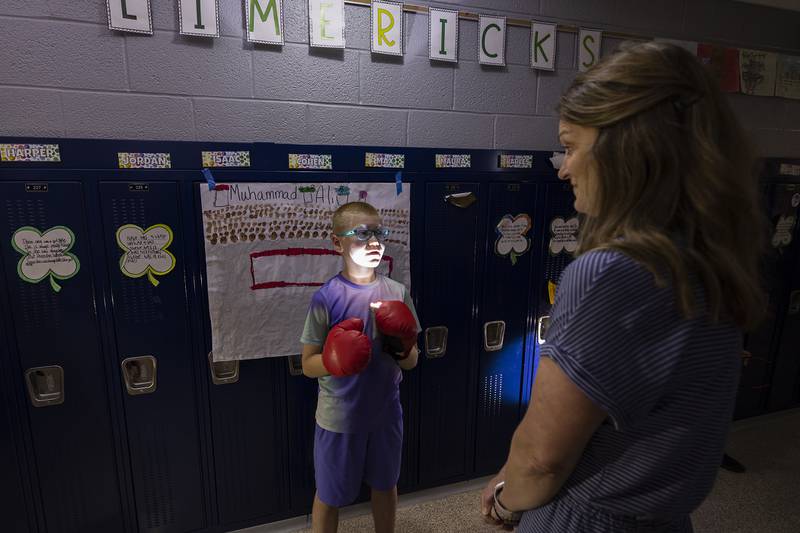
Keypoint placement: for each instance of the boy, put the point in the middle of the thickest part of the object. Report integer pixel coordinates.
(361, 329)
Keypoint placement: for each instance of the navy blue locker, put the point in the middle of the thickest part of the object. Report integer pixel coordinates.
(454, 224)
(16, 514)
(785, 390)
(154, 355)
(55, 327)
(760, 344)
(560, 231)
(504, 324)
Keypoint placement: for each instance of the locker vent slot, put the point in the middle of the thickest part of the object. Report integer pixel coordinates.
(37, 301)
(141, 303)
(492, 392)
(159, 491)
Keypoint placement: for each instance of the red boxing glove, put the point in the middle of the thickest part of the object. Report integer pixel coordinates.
(396, 321)
(347, 350)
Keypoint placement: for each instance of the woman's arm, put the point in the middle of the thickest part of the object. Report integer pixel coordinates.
(550, 439)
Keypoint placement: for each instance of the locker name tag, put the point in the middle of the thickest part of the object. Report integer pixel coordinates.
(375, 160)
(515, 161)
(30, 153)
(35, 187)
(144, 160)
(310, 161)
(138, 187)
(789, 170)
(226, 159)
(453, 161)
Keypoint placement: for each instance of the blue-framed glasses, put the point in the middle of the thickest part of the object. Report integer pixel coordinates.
(363, 233)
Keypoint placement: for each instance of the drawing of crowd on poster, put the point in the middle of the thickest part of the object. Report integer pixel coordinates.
(268, 248)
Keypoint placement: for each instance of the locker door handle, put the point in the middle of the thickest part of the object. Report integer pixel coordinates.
(140, 374)
(436, 342)
(45, 385)
(223, 372)
(461, 199)
(493, 335)
(541, 328)
(295, 364)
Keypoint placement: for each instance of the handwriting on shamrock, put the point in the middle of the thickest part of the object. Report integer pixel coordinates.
(45, 255)
(512, 239)
(145, 251)
(564, 235)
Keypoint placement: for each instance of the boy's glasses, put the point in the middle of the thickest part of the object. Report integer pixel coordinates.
(363, 233)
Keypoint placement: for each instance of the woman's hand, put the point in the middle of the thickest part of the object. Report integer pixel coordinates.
(487, 503)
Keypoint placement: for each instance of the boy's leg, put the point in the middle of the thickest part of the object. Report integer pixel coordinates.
(382, 470)
(338, 468)
(384, 508)
(324, 518)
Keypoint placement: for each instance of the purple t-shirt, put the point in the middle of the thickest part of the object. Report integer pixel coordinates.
(359, 403)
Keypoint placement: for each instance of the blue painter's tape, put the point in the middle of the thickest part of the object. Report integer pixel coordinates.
(210, 179)
(398, 181)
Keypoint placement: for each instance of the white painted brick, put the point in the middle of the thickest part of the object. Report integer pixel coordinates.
(32, 112)
(64, 54)
(297, 72)
(412, 82)
(219, 119)
(127, 116)
(526, 133)
(175, 64)
(450, 130)
(511, 89)
(356, 125)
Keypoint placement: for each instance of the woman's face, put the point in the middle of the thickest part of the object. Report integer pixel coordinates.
(579, 165)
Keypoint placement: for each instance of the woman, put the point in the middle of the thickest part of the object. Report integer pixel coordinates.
(636, 384)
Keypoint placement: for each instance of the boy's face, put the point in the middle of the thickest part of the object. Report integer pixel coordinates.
(365, 254)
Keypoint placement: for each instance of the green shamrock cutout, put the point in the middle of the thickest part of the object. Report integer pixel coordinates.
(145, 251)
(45, 254)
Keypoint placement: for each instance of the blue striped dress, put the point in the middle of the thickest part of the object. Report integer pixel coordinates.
(668, 385)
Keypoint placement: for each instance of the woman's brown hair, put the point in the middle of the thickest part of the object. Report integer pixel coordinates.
(677, 187)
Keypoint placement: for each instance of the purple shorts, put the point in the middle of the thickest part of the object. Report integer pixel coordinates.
(343, 460)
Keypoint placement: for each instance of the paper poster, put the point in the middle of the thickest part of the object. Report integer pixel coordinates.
(199, 17)
(787, 84)
(758, 70)
(492, 40)
(130, 15)
(443, 35)
(326, 23)
(264, 20)
(45, 255)
(512, 236)
(589, 43)
(543, 46)
(564, 235)
(268, 248)
(386, 20)
(723, 62)
(145, 251)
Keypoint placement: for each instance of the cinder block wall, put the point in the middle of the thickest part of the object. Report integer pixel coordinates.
(64, 74)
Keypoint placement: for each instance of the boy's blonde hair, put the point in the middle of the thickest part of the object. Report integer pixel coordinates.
(344, 215)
